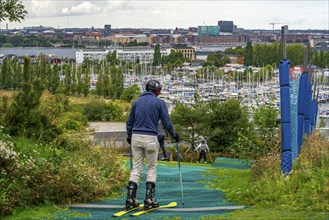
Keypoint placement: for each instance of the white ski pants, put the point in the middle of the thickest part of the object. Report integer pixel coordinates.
(148, 146)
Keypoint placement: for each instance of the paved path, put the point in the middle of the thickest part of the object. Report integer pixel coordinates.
(107, 126)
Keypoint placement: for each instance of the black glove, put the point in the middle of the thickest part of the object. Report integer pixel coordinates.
(176, 137)
(129, 140)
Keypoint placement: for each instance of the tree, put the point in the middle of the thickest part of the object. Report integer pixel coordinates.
(13, 10)
(217, 59)
(175, 59)
(116, 82)
(189, 122)
(111, 57)
(24, 116)
(106, 81)
(130, 93)
(157, 56)
(225, 122)
(248, 54)
(73, 86)
(55, 79)
(86, 80)
(17, 77)
(266, 122)
(7, 74)
(100, 84)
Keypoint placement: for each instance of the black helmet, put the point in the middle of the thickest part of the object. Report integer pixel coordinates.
(153, 86)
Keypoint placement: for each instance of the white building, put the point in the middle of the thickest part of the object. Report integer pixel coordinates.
(91, 54)
(143, 54)
(131, 54)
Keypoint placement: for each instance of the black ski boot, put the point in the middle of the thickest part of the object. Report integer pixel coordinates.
(150, 201)
(131, 201)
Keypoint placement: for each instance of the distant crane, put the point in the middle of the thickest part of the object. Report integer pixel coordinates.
(274, 23)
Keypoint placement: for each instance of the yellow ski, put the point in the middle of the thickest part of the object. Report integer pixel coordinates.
(170, 205)
(123, 212)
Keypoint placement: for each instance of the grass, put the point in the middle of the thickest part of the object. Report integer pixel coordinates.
(36, 212)
(275, 214)
(303, 195)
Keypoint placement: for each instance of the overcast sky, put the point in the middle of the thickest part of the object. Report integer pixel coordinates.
(298, 14)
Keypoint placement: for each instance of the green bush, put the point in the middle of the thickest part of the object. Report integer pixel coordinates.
(130, 93)
(72, 122)
(71, 142)
(92, 173)
(34, 174)
(101, 111)
(9, 167)
(112, 112)
(94, 110)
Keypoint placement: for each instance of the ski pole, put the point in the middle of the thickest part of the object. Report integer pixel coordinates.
(180, 173)
(131, 158)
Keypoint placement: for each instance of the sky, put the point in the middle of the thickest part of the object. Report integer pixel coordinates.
(257, 14)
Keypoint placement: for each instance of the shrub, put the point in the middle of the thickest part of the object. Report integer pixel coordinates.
(130, 93)
(94, 110)
(71, 142)
(93, 173)
(42, 174)
(72, 122)
(9, 168)
(112, 112)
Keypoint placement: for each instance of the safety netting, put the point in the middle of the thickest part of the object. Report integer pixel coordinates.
(199, 199)
(294, 84)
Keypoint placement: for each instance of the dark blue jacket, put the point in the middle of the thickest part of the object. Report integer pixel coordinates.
(145, 114)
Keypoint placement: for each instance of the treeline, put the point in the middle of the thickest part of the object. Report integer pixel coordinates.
(66, 78)
(19, 40)
(264, 54)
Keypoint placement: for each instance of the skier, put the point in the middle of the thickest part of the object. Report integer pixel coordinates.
(203, 148)
(161, 139)
(142, 131)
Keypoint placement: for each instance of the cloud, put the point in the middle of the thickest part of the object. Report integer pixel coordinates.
(85, 8)
(171, 13)
(65, 11)
(37, 8)
(156, 12)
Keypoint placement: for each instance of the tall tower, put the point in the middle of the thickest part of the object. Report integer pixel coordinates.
(226, 26)
(107, 30)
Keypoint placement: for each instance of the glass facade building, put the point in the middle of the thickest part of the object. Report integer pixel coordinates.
(208, 31)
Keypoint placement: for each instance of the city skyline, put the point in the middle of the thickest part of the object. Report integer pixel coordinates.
(175, 13)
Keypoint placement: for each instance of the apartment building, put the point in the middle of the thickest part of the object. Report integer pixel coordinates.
(127, 38)
(314, 40)
(188, 52)
(139, 54)
(131, 54)
(162, 39)
(91, 54)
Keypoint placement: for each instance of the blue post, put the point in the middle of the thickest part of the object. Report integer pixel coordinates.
(301, 108)
(308, 108)
(286, 157)
(313, 115)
